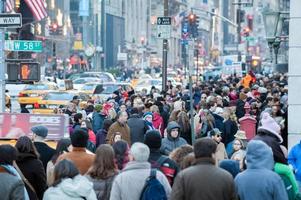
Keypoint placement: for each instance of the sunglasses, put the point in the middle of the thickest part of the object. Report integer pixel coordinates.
(218, 135)
(238, 144)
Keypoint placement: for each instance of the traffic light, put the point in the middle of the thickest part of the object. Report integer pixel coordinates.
(240, 16)
(55, 29)
(246, 31)
(193, 24)
(250, 22)
(255, 63)
(30, 71)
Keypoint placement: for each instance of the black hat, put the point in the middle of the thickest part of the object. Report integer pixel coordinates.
(79, 138)
(152, 139)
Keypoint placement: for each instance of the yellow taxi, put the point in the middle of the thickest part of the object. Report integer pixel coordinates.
(56, 100)
(89, 88)
(34, 92)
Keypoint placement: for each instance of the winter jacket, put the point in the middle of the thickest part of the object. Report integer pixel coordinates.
(45, 152)
(259, 181)
(169, 143)
(11, 186)
(101, 136)
(271, 140)
(78, 188)
(286, 173)
(294, 159)
(82, 160)
(230, 129)
(102, 187)
(240, 110)
(33, 170)
(204, 181)
(137, 128)
(97, 121)
(92, 136)
(129, 183)
(219, 122)
(221, 153)
(121, 128)
(158, 122)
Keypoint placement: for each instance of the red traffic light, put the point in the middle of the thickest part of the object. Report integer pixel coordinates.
(54, 26)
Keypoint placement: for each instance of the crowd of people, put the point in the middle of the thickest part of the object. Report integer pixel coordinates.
(135, 146)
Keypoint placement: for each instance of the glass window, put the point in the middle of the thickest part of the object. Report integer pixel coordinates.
(37, 87)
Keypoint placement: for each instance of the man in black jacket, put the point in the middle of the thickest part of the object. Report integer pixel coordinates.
(39, 135)
(137, 126)
(169, 168)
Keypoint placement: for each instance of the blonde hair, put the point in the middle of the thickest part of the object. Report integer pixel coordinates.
(154, 108)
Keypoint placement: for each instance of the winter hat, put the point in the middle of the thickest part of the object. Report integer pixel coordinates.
(262, 90)
(98, 107)
(147, 114)
(240, 134)
(40, 130)
(178, 105)
(269, 124)
(152, 139)
(242, 96)
(232, 166)
(219, 111)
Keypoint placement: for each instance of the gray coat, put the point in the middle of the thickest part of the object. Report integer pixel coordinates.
(102, 187)
(11, 186)
(129, 183)
(169, 143)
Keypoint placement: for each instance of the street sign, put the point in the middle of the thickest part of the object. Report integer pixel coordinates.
(23, 45)
(11, 20)
(163, 27)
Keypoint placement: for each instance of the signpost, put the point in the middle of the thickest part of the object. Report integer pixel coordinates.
(163, 27)
(11, 20)
(23, 45)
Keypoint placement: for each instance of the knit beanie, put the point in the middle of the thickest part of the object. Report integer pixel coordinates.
(152, 139)
(40, 130)
(269, 124)
(145, 115)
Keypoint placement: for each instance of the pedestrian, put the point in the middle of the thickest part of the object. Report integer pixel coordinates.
(158, 122)
(221, 153)
(215, 183)
(31, 167)
(294, 160)
(158, 160)
(69, 184)
(231, 166)
(269, 132)
(239, 152)
(185, 128)
(98, 118)
(173, 139)
(39, 134)
(11, 184)
(121, 150)
(86, 124)
(230, 128)
(78, 118)
(82, 160)
(266, 184)
(61, 147)
(148, 120)
(103, 172)
(120, 126)
(102, 133)
(179, 153)
(137, 126)
(136, 171)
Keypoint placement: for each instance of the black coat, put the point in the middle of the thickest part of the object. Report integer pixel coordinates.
(138, 128)
(272, 140)
(45, 152)
(33, 170)
(240, 111)
(230, 129)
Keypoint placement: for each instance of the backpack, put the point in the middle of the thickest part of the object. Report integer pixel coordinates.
(166, 170)
(153, 189)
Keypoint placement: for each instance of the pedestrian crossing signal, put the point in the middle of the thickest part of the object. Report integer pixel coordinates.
(30, 71)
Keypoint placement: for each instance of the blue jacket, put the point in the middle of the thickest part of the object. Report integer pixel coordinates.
(294, 159)
(259, 181)
(97, 121)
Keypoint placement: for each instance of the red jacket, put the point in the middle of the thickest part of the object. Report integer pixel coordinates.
(158, 123)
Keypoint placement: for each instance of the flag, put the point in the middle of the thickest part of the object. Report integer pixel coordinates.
(9, 5)
(37, 8)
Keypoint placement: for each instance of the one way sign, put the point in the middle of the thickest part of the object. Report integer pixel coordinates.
(11, 20)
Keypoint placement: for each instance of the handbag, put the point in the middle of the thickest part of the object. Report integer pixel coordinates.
(23, 177)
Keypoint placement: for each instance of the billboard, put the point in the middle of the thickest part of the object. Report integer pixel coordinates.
(14, 125)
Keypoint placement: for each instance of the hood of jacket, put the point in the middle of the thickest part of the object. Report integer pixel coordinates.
(156, 116)
(79, 186)
(170, 126)
(25, 156)
(259, 155)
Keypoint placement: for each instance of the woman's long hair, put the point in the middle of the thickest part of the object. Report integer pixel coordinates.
(121, 149)
(64, 169)
(103, 166)
(183, 121)
(61, 147)
(25, 145)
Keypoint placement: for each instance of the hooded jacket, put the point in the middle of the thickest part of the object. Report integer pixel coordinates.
(169, 143)
(77, 188)
(259, 181)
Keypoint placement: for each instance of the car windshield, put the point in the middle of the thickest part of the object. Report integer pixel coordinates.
(60, 96)
(105, 89)
(37, 87)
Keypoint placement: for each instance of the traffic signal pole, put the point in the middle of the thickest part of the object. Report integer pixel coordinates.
(238, 31)
(2, 63)
(165, 45)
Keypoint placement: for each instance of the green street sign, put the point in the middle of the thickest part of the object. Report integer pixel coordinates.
(23, 45)
(250, 38)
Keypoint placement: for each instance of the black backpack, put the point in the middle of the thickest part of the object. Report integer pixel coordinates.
(153, 189)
